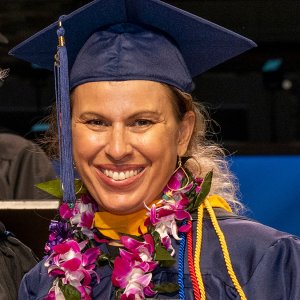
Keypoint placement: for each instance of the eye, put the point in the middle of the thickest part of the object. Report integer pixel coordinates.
(97, 122)
(141, 123)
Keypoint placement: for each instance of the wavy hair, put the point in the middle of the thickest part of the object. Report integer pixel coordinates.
(204, 154)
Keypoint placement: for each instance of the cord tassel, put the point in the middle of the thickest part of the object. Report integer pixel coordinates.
(198, 245)
(196, 289)
(225, 251)
(181, 258)
(63, 118)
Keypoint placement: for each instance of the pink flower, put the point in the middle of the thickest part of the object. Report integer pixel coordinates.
(137, 282)
(65, 211)
(165, 219)
(130, 276)
(82, 215)
(55, 292)
(74, 265)
(174, 185)
(132, 268)
(143, 249)
(199, 182)
(51, 295)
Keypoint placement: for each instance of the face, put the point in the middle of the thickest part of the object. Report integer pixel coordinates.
(126, 140)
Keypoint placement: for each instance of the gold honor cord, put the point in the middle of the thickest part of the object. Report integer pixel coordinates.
(226, 256)
(224, 250)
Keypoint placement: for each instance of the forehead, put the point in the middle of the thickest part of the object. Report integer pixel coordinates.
(140, 93)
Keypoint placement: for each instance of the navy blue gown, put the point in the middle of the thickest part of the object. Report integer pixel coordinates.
(266, 263)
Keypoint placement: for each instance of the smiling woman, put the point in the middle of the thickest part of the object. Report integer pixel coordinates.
(116, 133)
(155, 214)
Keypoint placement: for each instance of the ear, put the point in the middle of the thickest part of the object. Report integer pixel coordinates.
(186, 128)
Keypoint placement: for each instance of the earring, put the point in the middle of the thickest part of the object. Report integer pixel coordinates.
(185, 174)
(80, 188)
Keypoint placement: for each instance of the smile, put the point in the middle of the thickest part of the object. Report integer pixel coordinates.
(118, 176)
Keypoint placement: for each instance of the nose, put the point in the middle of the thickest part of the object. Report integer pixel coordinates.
(118, 146)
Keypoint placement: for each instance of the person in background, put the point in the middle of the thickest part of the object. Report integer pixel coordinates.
(23, 164)
(155, 215)
(15, 258)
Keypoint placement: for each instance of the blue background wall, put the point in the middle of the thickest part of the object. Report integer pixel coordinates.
(270, 188)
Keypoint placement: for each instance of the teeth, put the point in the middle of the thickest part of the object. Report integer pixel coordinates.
(120, 175)
(115, 176)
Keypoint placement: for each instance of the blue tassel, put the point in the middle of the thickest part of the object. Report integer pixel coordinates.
(64, 118)
(181, 252)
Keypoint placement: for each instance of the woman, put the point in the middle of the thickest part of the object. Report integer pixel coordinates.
(150, 219)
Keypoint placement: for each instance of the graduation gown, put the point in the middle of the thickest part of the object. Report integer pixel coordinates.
(22, 165)
(266, 263)
(16, 259)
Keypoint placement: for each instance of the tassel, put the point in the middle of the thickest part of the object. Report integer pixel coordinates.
(61, 74)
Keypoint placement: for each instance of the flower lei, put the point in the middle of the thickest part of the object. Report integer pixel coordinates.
(73, 251)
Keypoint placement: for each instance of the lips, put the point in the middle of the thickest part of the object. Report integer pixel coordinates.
(122, 175)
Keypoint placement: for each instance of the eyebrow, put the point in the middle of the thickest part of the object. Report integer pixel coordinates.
(135, 115)
(145, 113)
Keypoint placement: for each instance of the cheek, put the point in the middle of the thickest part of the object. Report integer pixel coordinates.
(85, 144)
(160, 145)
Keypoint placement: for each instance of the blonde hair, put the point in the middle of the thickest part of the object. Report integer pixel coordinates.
(204, 154)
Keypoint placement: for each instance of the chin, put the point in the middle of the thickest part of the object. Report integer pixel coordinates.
(120, 208)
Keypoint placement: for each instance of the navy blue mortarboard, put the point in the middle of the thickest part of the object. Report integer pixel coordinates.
(202, 44)
(111, 40)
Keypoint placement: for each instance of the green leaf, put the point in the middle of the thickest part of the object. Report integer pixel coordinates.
(166, 287)
(163, 256)
(105, 259)
(205, 188)
(135, 237)
(70, 292)
(53, 187)
(156, 238)
(118, 293)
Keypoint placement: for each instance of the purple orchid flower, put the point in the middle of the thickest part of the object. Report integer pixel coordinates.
(165, 218)
(74, 265)
(173, 187)
(132, 268)
(59, 232)
(131, 278)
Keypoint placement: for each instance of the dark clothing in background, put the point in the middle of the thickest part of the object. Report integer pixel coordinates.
(22, 165)
(266, 262)
(15, 260)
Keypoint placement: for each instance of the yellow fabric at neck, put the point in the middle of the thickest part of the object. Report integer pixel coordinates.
(110, 225)
(217, 201)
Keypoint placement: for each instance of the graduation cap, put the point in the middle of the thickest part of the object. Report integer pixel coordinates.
(111, 40)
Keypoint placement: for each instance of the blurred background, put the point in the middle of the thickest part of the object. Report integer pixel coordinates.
(253, 99)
